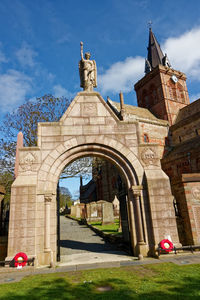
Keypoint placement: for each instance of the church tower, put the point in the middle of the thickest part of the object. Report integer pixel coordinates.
(162, 90)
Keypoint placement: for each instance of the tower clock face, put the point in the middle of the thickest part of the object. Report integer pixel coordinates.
(174, 78)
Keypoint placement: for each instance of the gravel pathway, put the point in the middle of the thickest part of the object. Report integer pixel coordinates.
(76, 239)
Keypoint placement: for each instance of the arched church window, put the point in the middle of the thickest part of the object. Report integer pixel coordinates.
(198, 163)
(176, 208)
(171, 96)
(172, 90)
(152, 95)
(180, 93)
(145, 99)
(145, 138)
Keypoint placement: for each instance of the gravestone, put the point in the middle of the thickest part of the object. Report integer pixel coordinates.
(107, 213)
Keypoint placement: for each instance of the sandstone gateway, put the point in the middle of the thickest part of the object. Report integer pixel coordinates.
(136, 140)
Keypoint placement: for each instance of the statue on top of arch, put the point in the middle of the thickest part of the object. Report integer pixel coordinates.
(87, 71)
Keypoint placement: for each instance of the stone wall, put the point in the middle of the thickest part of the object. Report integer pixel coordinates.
(187, 192)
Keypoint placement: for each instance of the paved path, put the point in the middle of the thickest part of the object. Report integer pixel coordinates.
(79, 239)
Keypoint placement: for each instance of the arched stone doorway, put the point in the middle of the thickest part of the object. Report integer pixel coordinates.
(88, 128)
(49, 186)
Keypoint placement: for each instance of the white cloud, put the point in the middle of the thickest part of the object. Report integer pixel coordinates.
(3, 58)
(64, 39)
(183, 52)
(60, 91)
(14, 87)
(122, 75)
(26, 55)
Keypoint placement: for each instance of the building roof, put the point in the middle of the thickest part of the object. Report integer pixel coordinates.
(183, 149)
(138, 112)
(188, 111)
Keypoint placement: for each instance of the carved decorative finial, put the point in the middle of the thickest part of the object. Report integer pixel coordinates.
(122, 110)
(87, 71)
(150, 24)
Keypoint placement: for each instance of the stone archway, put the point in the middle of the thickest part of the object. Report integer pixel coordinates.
(88, 128)
(49, 185)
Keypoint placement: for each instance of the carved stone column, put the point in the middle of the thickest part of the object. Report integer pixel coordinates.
(141, 245)
(47, 199)
(131, 220)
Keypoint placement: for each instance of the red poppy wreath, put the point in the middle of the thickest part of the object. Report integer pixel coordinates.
(166, 245)
(20, 259)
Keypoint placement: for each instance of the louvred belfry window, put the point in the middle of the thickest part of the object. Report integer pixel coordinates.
(180, 93)
(152, 95)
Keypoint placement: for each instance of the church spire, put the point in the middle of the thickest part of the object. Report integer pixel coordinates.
(155, 55)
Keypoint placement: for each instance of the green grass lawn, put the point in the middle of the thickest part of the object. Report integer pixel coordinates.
(160, 281)
(108, 228)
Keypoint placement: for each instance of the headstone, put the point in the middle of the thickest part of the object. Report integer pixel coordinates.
(73, 211)
(108, 216)
(116, 206)
(93, 212)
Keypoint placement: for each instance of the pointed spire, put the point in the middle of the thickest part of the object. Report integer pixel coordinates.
(155, 55)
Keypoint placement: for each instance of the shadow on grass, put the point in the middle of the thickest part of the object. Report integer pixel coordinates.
(187, 289)
(61, 288)
(110, 230)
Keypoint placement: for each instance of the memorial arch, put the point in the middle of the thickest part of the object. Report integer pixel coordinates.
(89, 127)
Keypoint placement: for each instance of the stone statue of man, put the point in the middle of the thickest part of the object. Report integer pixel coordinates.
(87, 71)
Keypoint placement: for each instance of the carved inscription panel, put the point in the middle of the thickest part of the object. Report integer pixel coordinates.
(149, 157)
(89, 109)
(28, 162)
(196, 192)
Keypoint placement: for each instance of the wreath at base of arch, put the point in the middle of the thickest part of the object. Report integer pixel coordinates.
(166, 245)
(20, 260)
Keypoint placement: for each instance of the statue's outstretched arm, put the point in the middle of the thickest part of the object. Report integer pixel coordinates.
(81, 44)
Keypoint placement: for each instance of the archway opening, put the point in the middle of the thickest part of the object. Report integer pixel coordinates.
(94, 191)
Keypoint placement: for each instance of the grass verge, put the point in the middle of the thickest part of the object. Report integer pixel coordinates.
(108, 228)
(160, 281)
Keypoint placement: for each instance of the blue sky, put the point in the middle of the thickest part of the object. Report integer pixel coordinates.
(40, 45)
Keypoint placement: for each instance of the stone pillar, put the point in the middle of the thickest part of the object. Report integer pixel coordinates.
(141, 248)
(131, 221)
(47, 199)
